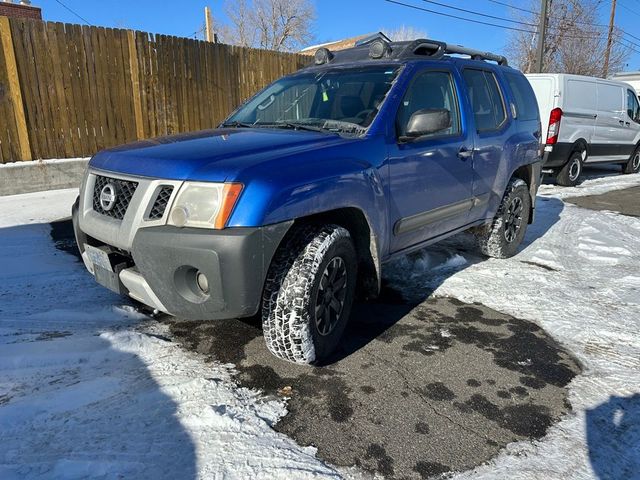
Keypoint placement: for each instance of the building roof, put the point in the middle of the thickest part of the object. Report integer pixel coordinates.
(335, 45)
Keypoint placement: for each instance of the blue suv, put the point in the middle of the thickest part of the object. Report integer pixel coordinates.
(292, 206)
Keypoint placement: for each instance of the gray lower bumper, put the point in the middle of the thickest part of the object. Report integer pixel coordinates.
(234, 260)
(166, 261)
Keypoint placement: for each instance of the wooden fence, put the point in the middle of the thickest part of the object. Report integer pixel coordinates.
(70, 90)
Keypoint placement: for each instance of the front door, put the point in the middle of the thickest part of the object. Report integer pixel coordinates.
(609, 142)
(430, 177)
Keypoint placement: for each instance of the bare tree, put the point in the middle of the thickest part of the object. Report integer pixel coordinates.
(575, 41)
(283, 25)
(404, 32)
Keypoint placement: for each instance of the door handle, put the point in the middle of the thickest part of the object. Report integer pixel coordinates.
(465, 153)
(627, 123)
(621, 122)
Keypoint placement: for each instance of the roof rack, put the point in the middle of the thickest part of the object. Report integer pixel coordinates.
(379, 46)
(437, 49)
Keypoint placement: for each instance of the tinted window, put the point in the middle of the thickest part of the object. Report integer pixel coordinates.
(523, 97)
(486, 100)
(430, 90)
(633, 108)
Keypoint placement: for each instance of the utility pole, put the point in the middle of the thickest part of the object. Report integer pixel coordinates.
(210, 35)
(542, 33)
(607, 53)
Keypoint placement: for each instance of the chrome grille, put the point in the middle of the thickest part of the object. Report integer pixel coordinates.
(161, 202)
(124, 191)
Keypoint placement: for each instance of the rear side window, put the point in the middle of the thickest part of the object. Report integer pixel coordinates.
(523, 97)
(486, 99)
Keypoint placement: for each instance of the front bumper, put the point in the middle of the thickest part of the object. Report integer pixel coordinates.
(161, 266)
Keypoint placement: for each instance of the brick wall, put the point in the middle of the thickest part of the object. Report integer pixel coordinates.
(17, 10)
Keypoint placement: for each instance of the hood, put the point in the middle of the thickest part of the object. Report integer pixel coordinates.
(210, 155)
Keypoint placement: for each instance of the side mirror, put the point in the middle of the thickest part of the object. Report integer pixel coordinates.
(427, 122)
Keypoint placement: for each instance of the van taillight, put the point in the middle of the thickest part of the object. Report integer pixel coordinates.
(554, 126)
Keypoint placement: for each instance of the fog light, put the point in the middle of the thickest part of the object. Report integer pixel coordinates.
(179, 216)
(203, 282)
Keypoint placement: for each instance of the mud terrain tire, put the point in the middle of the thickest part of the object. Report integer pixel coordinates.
(308, 293)
(503, 236)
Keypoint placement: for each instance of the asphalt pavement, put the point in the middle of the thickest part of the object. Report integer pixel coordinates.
(626, 202)
(416, 390)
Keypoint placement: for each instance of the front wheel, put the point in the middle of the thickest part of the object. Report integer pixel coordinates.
(308, 293)
(503, 236)
(633, 165)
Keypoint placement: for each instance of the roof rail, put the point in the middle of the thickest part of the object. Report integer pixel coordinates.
(476, 54)
(436, 49)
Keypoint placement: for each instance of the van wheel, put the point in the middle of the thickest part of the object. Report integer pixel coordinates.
(503, 236)
(633, 165)
(569, 174)
(308, 293)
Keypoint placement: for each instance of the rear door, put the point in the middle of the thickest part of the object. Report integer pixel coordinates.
(430, 177)
(611, 136)
(490, 158)
(544, 88)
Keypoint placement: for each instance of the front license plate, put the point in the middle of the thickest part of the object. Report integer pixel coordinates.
(108, 279)
(98, 257)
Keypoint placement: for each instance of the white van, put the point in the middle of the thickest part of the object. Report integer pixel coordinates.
(590, 120)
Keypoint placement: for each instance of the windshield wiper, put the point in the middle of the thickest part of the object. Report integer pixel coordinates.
(345, 127)
(296, 126)
(236, 124)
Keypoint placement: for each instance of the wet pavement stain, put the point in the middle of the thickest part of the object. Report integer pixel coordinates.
(414, 391)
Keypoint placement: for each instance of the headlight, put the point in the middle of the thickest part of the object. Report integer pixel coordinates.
(204, 205)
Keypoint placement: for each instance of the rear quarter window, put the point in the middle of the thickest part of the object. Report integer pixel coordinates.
(523, 96)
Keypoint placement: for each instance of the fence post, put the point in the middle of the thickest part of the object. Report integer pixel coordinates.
(14, 88)
(135, 83)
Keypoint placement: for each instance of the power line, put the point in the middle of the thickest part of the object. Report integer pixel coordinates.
(460, 18)
(585, 35)
(76, 14)
(472, 12)
(514, 7)
(628, 9)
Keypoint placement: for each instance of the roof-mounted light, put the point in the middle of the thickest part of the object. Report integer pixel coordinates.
(379, 48)
(323, 55)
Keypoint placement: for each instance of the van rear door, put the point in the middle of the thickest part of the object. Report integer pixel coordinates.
(611, 139)
(545, 89)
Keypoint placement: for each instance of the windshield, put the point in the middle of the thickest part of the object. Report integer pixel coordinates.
(339, 100)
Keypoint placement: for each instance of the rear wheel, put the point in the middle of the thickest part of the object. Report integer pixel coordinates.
(569, 175)
(308, 293)
(633, 165)
(503, 236)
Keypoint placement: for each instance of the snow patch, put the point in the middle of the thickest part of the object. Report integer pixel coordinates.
(586, 295)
